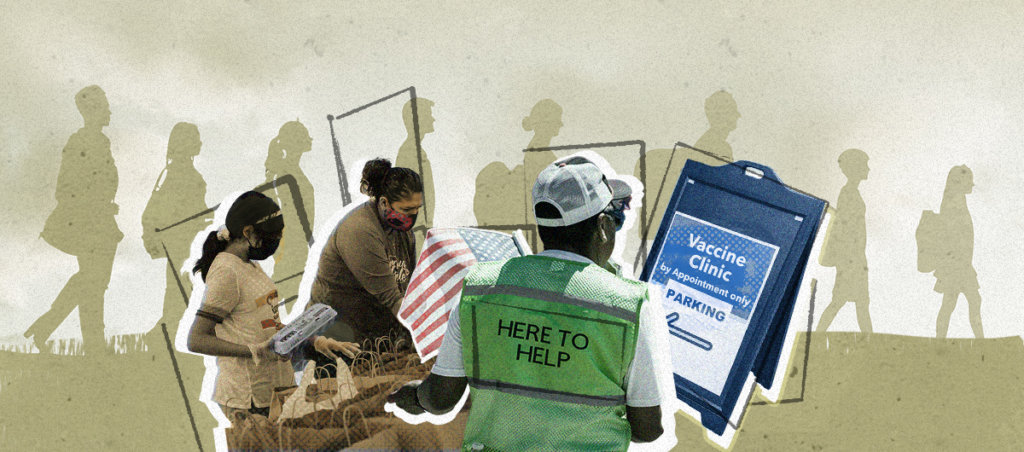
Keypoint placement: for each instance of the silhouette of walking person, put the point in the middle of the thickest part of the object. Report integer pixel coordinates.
(179, 192)
(500, 197)
(663, 167)
(954, 268)
(545, 121)
(845, 243)
(83, 225)
(720, 109)
(407, 158)
(283, 157)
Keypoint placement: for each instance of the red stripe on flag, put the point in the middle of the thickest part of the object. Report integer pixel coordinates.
(433, 346)
(436, 305)
(440, 280)
(424, 254)
(421, 277)
(433, 326)
(437, 263)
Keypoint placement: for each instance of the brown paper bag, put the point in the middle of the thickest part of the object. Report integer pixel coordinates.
(251, 432)
(277, 400)
(325, 394)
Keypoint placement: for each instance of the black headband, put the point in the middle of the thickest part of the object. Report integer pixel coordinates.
(255, 209)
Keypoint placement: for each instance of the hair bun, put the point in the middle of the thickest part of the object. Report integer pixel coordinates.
(374, 173)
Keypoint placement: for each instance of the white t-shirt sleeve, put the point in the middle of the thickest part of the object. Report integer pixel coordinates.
(641, 379)
(449, 355)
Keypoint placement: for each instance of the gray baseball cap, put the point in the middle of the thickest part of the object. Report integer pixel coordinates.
(577, 188)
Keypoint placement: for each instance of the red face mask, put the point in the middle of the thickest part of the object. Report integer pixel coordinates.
(398, 220)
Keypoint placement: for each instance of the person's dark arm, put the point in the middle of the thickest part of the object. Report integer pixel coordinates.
(645, 423)
(202, 339)
(220, 298)
(436, 394)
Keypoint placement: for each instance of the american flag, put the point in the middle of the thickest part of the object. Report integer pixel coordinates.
(437, 281)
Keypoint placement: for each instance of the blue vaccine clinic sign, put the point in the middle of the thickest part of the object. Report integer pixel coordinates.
(728, 257)
(711, 280)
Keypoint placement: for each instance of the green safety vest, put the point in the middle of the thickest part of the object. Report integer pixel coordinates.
(546, 345)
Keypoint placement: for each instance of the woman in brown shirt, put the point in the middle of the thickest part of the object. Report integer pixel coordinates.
(366, 264)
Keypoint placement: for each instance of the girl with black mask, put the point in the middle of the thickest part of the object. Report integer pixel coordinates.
(239, 313)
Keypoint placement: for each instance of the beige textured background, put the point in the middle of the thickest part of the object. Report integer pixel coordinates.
(919, 86)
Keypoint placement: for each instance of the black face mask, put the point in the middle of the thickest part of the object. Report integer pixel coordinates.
(266, 249)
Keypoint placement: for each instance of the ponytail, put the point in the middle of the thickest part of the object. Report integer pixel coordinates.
(275, 156)
(381, 179)
(211, 247)
(293, 138)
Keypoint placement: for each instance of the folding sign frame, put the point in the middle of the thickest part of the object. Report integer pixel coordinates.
(730, 255)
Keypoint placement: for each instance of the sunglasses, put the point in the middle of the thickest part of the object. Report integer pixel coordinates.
(621, 204)
(616, 209)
